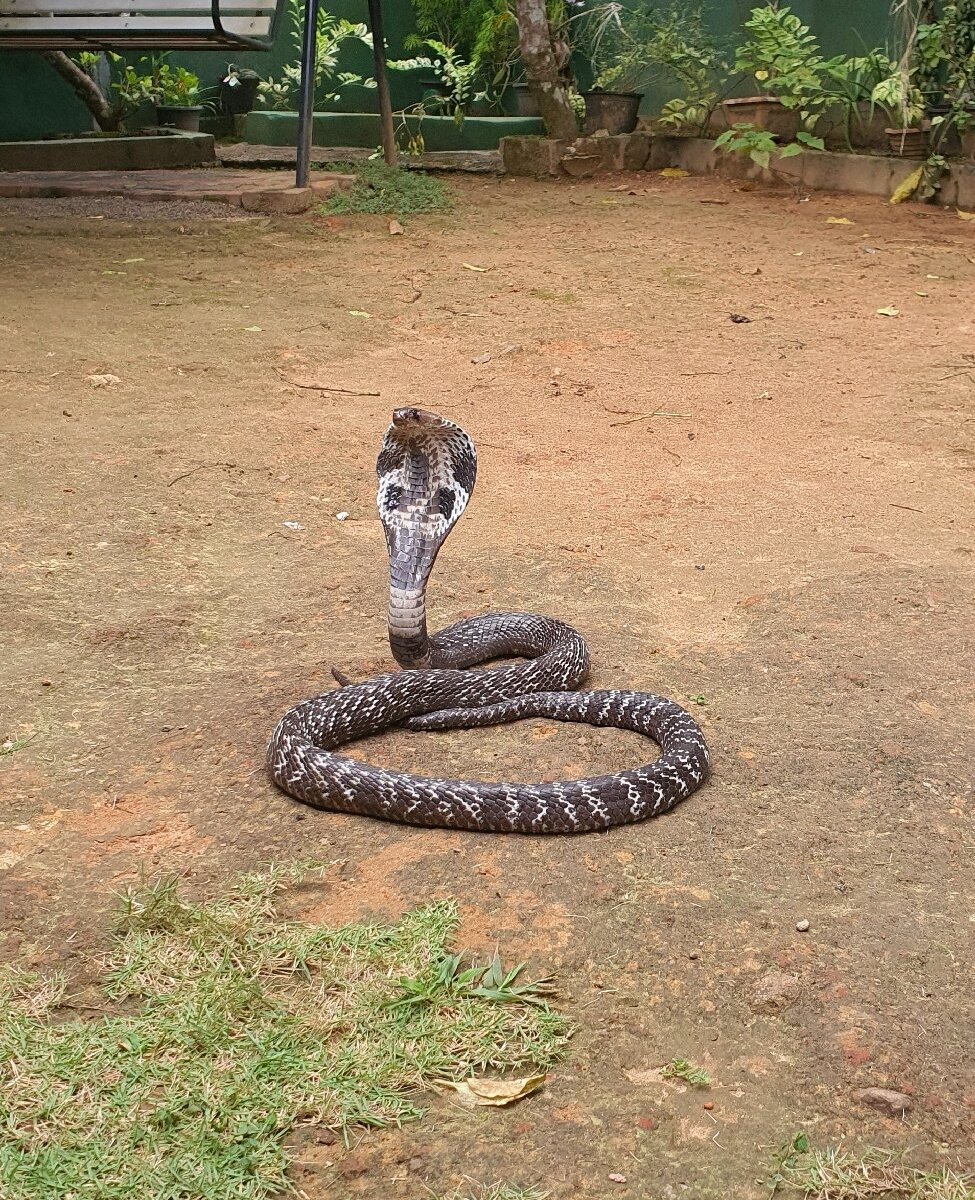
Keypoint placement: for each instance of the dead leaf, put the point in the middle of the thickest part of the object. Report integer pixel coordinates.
(481, 359)
(889, 311)
(358, 312)
(253, 329)
(132, 260)
(471, 267)
(906, 189)
(99, 381)
(839, 221)
(395, 227)
(674, 173)
(495, 1093)
(965, 216)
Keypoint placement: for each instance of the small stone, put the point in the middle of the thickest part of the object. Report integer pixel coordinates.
(708, 1105)
(616, 1177)
(693, 954)
(802, 926)
(774, 993)
(890, 1103)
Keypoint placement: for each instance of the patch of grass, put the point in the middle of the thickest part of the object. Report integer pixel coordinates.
(392, 190)
(493, 1191)
(838, 1174)
(12, 745)
(239, 1026)
(680, 1068)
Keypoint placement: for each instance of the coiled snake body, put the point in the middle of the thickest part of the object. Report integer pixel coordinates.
(426, 471)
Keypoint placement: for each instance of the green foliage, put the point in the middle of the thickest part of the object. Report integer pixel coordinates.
(760, 145)
(838, 1174)
(223, 1028)
(331, 36)
(783, 56)
(680, 1068)
(382, 189)
(161, 84)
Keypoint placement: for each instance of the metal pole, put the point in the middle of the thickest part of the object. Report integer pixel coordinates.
(382, 82)
(306, 99)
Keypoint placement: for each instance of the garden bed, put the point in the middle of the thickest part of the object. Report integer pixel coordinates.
(154, 149)
(362, 129)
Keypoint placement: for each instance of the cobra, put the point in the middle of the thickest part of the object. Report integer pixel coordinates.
(426, 469)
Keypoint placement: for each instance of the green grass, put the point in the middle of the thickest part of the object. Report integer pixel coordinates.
(12, 745)
(494, 1191)
(838, 1174)
(391, 190)
(225, 1027)
(680, 1068)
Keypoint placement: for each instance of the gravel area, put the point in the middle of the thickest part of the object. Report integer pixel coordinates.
(117, 208)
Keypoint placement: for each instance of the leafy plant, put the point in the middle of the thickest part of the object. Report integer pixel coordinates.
(745, 138)
(680, 1068)
(331, 35)
(382, 189)
(448, 978)
(161, 84)
(784, 58)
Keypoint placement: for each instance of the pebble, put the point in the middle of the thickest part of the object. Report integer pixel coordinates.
(890, 1103)
(802, 926)
(774, 993)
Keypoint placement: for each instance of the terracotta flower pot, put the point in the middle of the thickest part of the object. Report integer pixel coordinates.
(908, 143)
(764, 112)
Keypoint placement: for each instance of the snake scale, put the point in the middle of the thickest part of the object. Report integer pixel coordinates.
(426, 470)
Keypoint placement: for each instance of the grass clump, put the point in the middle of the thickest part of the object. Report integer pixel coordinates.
(680, 1068)
(391, 190)
(494, 1191)
(237, 1027)
(838, 1174)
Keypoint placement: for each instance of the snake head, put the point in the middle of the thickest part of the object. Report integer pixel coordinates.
(426, 471)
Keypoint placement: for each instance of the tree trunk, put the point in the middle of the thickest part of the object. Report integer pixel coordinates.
(86, 89)
(545, 80)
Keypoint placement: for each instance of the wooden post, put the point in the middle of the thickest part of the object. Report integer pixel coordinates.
(306, 98)
(382, 82)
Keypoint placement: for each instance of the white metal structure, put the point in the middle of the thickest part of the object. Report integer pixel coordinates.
(136, 24)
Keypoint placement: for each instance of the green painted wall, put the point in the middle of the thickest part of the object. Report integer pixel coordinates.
(34, 101)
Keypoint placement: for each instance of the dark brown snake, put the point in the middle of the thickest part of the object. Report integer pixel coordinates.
(426, 471)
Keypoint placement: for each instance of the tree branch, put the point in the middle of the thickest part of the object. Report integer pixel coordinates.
(86, 89)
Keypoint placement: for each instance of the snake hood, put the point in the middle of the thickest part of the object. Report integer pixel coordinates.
(426, 471)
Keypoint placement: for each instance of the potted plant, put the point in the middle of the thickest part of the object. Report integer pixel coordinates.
(958, 46)
(174, 92)
(783, 57)
(615, 37)
(903, 102)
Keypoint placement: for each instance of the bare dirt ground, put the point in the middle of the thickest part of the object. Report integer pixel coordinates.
(787, 538)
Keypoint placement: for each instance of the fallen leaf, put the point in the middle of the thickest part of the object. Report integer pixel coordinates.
(674, 173)
(889, 311)
(965, 216)
(98, 381)
(920, 293)
(839, 221)
(358, 312)
(471, 267)
(481, 359)
(495, 1093)
(798, 253)
(132, 260)
(395, 227)
(906, 189)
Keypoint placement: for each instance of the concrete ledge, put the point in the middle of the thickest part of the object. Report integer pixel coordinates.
(818, 170)
(136, 152)
(362, 129)
(581, 159)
